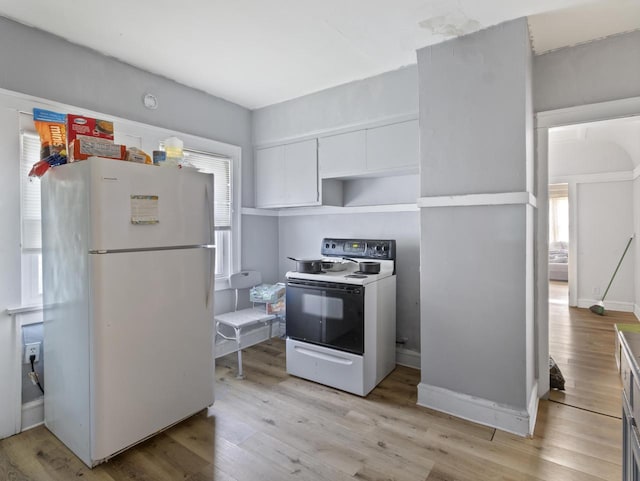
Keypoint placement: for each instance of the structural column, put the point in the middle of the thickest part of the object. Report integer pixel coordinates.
(478, 349)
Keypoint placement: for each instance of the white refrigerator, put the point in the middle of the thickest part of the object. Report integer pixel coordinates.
(128, 281)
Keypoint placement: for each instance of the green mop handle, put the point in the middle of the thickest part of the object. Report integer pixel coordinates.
(617, 267)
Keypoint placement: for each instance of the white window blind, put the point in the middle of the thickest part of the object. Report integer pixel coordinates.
(30, 192)
(220, 167)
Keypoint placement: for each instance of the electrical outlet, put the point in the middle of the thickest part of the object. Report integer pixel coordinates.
(31, 349)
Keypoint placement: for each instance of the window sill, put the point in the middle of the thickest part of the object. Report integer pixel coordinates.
(222, 284)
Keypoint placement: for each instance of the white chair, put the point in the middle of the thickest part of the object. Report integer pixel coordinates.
(239, 319)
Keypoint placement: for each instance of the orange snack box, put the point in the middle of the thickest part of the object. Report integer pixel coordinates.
(83, 148)
(79, 126)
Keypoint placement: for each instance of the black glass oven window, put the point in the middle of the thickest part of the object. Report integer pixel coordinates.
(332, 317)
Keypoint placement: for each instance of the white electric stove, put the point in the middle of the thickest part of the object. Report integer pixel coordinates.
(341, 326)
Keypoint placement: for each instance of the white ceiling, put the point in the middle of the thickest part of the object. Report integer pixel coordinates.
(259, 52)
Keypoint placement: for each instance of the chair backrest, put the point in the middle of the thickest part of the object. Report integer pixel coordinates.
(244, 280)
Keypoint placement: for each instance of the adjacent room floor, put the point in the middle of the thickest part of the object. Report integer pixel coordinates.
(272, 426)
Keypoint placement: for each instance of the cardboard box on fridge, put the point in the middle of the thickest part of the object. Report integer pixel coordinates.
(79, 126)
(83, 148)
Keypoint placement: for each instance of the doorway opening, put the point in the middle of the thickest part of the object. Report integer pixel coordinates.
(593, 192)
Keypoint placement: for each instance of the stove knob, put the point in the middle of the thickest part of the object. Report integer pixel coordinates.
(378, 248)
(326, 246)
(333, 246)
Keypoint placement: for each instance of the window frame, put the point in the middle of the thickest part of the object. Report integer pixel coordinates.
(30, 257)
(223, 235)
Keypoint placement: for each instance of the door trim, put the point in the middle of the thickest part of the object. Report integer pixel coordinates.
(545, 120)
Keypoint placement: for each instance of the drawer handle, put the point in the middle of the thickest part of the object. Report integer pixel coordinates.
(324, 357)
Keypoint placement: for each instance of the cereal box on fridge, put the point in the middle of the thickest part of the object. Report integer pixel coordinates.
(79, 126)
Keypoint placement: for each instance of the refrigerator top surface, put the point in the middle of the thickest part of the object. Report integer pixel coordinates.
(135, 206)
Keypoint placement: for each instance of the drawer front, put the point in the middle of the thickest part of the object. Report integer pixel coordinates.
(627, 377)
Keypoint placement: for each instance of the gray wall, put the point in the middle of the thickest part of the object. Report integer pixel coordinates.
(476, 132)
(260, 246)
(468, 145)
(607, 69)
(399, 189)
(384, 97)
(49, 67)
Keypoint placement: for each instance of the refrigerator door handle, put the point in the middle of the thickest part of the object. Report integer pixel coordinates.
(212, 274)
(208, 201)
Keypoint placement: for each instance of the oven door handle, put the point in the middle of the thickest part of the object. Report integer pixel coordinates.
(354, 290)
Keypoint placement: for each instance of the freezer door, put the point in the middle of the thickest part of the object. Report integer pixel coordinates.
(152, 343)
(136, 206)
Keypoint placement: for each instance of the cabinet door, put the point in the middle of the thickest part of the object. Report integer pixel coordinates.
(342, 155)
(269, 177)
(393, 146)
(301, 173)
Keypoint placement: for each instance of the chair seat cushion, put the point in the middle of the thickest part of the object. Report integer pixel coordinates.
(244, 317)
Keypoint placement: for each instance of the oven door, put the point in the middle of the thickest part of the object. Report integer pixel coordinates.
(327, 314)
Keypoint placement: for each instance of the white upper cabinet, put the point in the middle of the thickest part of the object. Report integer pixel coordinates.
(393, 146)
(301, 173)
(386, 150)
(342, 155)
(269, 167)
(287, 175)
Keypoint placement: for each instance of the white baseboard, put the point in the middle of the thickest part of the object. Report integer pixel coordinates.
(405, 357)
(636, 311)
(478, 410)
(609, 305)
(32, 414)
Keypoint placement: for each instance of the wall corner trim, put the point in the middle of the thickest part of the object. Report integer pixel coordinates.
(32, 414)
(636, 311)
(587, 113)
(478, 410)
(599, 177)
(504, 198)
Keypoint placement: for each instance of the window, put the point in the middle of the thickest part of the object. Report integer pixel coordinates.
(558, 213)
(220, 167)
(31, 243)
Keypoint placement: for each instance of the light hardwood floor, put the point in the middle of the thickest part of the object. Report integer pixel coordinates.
(272, 426)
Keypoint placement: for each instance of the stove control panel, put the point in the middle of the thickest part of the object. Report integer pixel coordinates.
(360, 248)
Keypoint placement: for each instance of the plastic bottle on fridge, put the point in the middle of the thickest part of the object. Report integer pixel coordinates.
(173, 149)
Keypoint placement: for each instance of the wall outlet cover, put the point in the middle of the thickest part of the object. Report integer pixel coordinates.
(30, 349)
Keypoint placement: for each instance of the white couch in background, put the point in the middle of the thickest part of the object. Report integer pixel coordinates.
(559, 261)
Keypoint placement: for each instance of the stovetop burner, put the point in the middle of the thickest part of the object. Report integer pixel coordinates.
(356, 275)
(363, 274)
